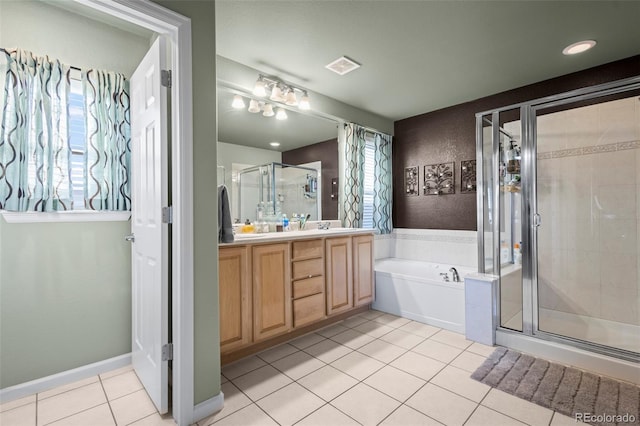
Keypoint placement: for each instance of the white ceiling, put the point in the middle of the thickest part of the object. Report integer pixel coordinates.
(419, 56)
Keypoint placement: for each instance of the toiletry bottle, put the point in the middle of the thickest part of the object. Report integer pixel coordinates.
(517, 254)
(285, 222)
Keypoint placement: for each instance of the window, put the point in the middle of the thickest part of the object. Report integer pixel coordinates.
(77, 142)
(369, 181)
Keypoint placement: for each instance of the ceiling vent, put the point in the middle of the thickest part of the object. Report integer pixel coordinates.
(342, 65)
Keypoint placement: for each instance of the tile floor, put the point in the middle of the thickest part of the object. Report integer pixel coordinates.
(371, 369)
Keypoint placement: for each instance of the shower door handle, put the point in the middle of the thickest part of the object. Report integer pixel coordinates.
(537, 220)
(131, 238)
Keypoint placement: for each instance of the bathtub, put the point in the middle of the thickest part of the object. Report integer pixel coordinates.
(415, 290)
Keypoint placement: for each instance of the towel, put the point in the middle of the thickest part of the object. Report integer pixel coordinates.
(225, 228)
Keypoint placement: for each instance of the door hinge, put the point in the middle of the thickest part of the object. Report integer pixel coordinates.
(167, 352)
(167, 214)
(165, 78)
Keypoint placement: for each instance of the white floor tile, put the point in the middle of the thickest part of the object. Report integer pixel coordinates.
(69, 386)
(261, 382)
(372, 314)
(458, 381)
(357, 365)
(352, 339)
(277, 352)
(121, 385)
(452, 339)
(223, 379)
(328, 350)
(298, 365)
(234, 400)
(423, 330)
(332, 330)
(365, 404)
(290, 404)
(436, 350)
(243, 366)
(156, 420)
(382, 351)
(251, 415)
(328, 382)
(562, 420)
(353, 321)
(17, 403)
(442, 405)
(327, 415)
(395, 383)
(25, 415)
(484, 416)
(96, 416)
(402, 339)
(391, 320)
(468, 361)
(374, 329)
(418, 365)
(116, 371)
(307, 340)
(132, 407)
(480, 349)
(70, 402)
(518, 408)
(407, 416)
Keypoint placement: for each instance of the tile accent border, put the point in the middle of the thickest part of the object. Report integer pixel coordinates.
(595, 149)
(441, 237)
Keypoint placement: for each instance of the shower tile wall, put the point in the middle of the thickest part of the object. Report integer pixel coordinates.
(589, 199)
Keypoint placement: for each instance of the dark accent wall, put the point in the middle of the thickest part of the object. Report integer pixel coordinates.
(327, 152)
(448, 135)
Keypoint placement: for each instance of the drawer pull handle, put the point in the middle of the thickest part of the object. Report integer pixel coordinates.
(310, 276)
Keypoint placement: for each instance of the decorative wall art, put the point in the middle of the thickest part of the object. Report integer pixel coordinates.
(468, 176)
(411, 182)
(439, 179)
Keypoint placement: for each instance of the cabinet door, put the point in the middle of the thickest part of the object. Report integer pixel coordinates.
(339, 276)
(363, 288)
(235, 298)
(271, 290)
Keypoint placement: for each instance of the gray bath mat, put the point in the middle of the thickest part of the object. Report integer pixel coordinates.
(578, 394)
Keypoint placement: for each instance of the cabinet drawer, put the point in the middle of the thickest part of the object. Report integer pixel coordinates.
(308, 286)
(307, 249)
(308, 309)
(307, 268)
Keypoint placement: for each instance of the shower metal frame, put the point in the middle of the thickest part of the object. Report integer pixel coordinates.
(530, 218)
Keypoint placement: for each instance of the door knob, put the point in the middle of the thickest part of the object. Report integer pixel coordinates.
(130, 238)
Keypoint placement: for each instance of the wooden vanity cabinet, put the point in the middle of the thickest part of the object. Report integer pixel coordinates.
(271, 290)
(307, 282)
(339, 275)
(363, 270)
(235, 298)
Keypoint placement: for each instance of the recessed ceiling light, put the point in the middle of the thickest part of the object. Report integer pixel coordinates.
(342, 65)
(578, 47)
(274, 143)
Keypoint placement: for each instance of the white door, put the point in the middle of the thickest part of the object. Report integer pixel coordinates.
(149, 260)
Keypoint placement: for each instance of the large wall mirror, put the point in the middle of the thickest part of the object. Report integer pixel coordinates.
(255, 171)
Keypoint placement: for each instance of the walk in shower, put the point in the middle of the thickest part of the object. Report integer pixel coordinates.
(559, 216)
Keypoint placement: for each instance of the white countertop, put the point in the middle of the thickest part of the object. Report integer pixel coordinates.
(243, 239)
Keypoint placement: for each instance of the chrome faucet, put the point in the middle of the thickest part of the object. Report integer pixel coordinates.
(444, 276)
(456, 277)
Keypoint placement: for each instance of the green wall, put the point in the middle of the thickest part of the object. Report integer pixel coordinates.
(206, 333)
(65, 297)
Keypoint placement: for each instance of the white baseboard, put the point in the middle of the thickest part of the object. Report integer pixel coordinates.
(208, 407)
(63, 378)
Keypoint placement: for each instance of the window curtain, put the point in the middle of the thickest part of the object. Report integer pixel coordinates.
(34, 145)
(353, 186)
(108, 128)
(383, 184)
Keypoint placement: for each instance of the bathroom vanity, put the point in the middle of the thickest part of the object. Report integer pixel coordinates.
(277, 286)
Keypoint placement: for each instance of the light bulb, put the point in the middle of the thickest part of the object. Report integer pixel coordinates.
(304, 102)
(276, 94)
(238, 102)
(254, 106)
(282, 114)
(578, 47)
(260, 88)
(267, 110)
(291, 98)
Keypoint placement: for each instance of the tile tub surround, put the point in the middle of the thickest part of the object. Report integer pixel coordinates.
(448, 247)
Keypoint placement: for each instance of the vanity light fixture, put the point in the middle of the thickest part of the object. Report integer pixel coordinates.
(279, 91)
(276, 94)
(238, 102)
(267, 110)
(291, 99)
(254, 106)
(260, 88)
(304, 102)
(578, 47)
(281, 114)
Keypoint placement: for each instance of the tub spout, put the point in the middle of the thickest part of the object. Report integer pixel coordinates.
(456, 277)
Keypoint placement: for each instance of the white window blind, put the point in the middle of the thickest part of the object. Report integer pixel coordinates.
(77, 140)
(369, 179)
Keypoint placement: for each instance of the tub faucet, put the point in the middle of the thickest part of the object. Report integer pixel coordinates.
(456, 277)
(444, 276)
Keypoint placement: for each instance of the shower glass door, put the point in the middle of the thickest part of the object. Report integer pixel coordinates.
(586, 157)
